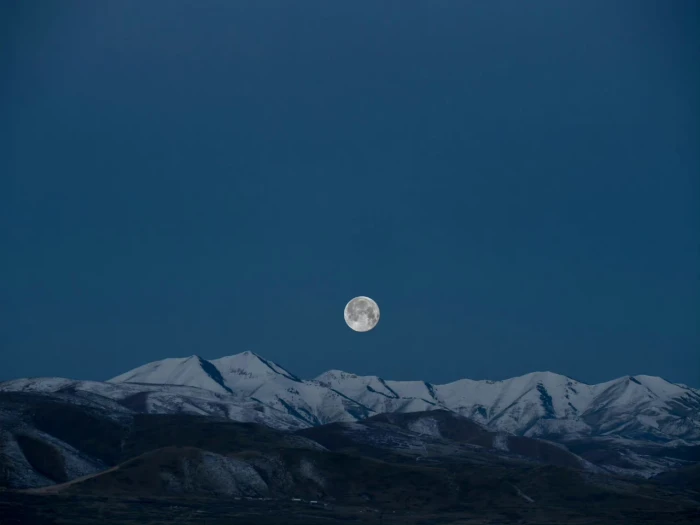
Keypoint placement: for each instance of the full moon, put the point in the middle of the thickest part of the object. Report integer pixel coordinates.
(362, 314)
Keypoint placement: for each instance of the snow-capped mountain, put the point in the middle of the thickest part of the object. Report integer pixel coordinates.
(247, 377)
(247, 387)
(188, 371)
(637, 425)
(380, 395)
(543, 403)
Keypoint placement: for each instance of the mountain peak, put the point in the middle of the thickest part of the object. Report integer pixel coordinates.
(330, 375)
(217, 375)
(186, 371)
(251, 365)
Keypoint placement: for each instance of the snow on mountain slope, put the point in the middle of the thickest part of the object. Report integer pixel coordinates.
(14, 449)
(248, 365)
(258, 379)
(247, 387)
(645, 407)
(247, 377)
(30, 455)
(510, 405)
(121, 398)
(542, 403)
(536, 404)
(188, 371)
(516, 404)
(380, 395)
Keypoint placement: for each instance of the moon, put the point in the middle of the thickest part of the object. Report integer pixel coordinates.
(361, 314)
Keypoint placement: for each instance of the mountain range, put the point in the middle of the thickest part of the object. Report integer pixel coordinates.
(639, 425)
(539, 404)
(537, 447)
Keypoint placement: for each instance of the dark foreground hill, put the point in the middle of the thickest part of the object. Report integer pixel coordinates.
(684, 479)
(90, 460)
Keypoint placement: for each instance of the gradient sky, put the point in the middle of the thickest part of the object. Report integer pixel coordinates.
(515, 183)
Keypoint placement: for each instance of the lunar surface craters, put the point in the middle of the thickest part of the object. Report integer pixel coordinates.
(362, 314)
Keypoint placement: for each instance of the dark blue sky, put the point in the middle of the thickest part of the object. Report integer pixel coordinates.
(515, 183)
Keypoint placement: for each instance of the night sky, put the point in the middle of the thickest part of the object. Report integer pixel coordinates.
(515, 183)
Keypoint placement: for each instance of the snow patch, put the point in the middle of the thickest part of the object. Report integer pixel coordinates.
(523, 495)
(648, 421)
(21, 474)
(428, 426)
(222, 475)
(500, 442)
(308, 470)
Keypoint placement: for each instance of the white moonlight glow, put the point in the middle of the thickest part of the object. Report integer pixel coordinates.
(362, 314)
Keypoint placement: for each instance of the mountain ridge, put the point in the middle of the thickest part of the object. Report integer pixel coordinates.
(633, 425)
(246, 386)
